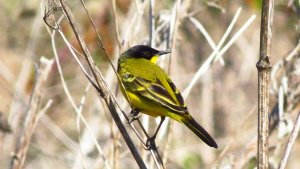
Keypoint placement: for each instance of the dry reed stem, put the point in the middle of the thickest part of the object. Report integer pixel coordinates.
(290, 143)
(32, 117)
(17, 112)
(263, 110)
(263, 68)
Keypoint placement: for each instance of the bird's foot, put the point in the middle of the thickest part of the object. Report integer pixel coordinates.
(150, 144)
(134, 115)
(133, 118)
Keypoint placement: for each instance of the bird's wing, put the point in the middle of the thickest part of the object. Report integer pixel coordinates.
(161, 91)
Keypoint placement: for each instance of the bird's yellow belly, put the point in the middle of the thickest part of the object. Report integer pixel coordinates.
(145, 106)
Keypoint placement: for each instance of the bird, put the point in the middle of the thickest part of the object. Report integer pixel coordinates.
(149, 90)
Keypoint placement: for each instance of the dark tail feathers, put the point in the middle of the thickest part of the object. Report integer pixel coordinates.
(200, 132)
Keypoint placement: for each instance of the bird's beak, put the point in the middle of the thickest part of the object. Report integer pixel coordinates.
(161, 52)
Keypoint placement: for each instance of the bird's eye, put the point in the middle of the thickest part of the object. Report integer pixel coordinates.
(147, 53)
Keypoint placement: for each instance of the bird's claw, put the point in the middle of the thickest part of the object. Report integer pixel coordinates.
(150, 144)
(133, 118)
(134, 115)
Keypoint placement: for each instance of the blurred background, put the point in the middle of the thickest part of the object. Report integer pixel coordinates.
(41, 128)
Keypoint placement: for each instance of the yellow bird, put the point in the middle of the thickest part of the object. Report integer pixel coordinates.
(149, 89)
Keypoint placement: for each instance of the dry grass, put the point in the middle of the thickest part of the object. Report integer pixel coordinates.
(52, 118)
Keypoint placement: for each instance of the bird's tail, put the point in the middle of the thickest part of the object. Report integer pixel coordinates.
(200, 132)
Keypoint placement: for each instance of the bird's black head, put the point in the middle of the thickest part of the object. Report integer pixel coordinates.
(142, 51)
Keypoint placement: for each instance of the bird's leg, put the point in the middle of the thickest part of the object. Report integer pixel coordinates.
(134, 115)
(150, 143)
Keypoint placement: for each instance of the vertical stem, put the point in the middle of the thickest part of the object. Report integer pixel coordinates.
(263, 120)
(263, 68)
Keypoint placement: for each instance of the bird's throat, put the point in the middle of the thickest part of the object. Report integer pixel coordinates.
(154, 59)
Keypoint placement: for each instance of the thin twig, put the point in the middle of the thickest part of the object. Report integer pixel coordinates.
(81, 154)
(206, 65)
(216, 54)
(234, 37)
(290, 143)
(70, 98)
(210, 41)
(59, 133)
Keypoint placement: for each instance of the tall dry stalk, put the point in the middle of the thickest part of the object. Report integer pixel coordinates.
(263, 68)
